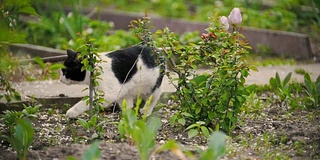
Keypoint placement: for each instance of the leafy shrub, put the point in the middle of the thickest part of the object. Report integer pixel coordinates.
(215, 97)
(10, 33)
(60, 30)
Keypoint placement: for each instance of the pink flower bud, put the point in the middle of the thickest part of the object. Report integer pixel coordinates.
(235, 16)
(224, 22)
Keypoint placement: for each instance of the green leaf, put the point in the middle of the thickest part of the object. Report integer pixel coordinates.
(318, 80)
(83, 123)
(172, 119)
(121, 128)
(278, 80)
(170, 145)
(307, 77)
(194, 66)
(273, 83)
(85, 62)
(22, 138)
(71, 158)
(217, 127)
(244, 72)
(93, 120)
(200, 80)
(92, 39)
(85, 98)
(205, 131)
(198, 110)
(287, 79)
(210, 115)
(187, 114)
(216, 146)
(230, 114)
(182, 121)
(254, 68)
(56, 66)
(251, 88)
(192, 133)
(192, 126)
(318, 89)
(28, 10)
(40, 62)
(154, 124)
(308, 85)
(16, 96)
(93, 152)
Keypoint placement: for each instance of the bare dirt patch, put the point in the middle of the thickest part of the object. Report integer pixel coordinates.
(268, 133)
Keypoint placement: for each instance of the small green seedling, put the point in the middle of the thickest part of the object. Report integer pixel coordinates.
(142, 133)
(312, 89)
(22, 138)
(93, 152)
(216, 146)
(92, 126)
(281, 88)
(196, 128)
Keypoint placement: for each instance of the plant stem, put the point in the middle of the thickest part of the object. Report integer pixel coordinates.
(91, 88)
(91, 84)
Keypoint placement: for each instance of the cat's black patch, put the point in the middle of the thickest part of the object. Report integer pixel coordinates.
(158, 83)
(124, 65)
(73, 67)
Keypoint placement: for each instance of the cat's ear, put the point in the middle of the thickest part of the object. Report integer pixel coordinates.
(71, 53)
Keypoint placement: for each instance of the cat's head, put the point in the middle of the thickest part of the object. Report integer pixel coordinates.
(72, 73)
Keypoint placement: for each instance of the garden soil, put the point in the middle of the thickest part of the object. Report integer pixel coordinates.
(283, 128)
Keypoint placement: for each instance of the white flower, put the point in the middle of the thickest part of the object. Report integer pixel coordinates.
(89, 31)
(235, 16)
(70, 14)
(224, 22)
(71, 43)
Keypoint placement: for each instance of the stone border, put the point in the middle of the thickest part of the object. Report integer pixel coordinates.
(47, 54)
(34, 50)
(59, 102)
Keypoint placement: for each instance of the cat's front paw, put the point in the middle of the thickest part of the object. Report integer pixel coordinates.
(72, 113)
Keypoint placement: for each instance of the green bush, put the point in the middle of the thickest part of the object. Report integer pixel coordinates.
(215, 97)
(60, 30)
(10, 33)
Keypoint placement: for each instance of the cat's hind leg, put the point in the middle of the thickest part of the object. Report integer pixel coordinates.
(77, 109)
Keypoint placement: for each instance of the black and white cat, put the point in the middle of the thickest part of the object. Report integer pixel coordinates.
(126, 73)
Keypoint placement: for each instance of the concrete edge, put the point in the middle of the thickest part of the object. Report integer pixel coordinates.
(58, 102)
